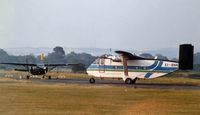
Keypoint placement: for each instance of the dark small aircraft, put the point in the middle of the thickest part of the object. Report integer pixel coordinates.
(37, 69)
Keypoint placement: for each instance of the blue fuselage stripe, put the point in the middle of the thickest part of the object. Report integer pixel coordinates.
(155, 66)
(148, 75)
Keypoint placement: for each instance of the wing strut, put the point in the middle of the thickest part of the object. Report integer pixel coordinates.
(125, 64)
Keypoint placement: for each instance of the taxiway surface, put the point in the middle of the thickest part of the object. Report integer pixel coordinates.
(82, 81)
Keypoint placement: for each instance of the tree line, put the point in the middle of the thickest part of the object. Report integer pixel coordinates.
(57, 56)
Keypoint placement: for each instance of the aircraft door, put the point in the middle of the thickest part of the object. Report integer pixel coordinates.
(101, 65)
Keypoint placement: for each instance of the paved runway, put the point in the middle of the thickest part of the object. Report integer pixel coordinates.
(119, 83)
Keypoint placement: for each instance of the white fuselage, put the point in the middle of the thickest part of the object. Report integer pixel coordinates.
(148, 68)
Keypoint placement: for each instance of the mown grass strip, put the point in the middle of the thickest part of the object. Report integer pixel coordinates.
(36, 99)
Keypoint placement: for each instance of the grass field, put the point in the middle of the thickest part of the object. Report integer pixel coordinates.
(27, 98)
(24, 97)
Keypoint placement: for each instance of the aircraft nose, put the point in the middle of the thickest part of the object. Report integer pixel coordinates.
(88, 69)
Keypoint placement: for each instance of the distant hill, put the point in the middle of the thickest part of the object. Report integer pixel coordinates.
(13, 54)
(197, 58)
(46, 50)
(93, 51)
(169, 52)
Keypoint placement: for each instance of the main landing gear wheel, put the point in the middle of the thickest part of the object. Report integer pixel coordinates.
(92, 80)
(27, 77)
(134, 81)
(128, 81)
(49, 77)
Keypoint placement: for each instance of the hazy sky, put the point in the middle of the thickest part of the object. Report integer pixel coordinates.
(130, 24)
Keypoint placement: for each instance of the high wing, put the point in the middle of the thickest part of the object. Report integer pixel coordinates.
(61, 64)
(52, 66)
(20, 64)
(27, 64)
(129, 56)
(55, 64)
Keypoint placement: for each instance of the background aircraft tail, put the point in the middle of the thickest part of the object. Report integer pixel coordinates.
(42, 57)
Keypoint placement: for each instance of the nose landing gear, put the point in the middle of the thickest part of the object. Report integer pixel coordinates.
(92, 80)
(27, 77)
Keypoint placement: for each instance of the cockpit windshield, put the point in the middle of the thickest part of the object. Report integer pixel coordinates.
(96, 61)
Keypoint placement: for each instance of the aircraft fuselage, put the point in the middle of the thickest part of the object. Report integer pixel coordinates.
(108, 67)
(38, 71)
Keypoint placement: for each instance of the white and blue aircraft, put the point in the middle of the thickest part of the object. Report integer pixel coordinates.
(129, 67)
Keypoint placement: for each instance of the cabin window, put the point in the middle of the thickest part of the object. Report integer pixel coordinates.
(117, 60)
(114, 67)
(102, 62)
